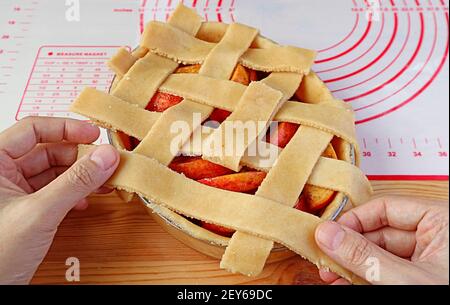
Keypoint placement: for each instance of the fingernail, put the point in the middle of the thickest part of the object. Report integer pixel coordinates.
(330, 235)
(90, 125)
(104, 156)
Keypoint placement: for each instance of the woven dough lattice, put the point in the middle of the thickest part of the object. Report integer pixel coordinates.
(267, 216)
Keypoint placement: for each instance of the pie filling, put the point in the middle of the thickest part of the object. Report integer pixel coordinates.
(313, 199)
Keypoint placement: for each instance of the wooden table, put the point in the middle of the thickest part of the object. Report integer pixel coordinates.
(120, 243)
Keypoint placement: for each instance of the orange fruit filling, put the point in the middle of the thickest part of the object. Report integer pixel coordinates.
(312, 200)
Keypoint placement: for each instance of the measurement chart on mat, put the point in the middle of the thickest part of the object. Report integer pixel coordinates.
(387, 58)
(58, 75)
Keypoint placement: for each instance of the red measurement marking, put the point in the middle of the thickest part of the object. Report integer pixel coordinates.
(34, 111)
(367, 154)
(232, 8)
(373, 62)
(73, 64)
(74, 90)
(392, 154)
(364, 143)
(421, 90)
(49, 97)
(122, 10)
(85, 58)
(46, 104)
(414, 143)
(155, 9)
(355, 25)
(417, 154)
(44, 97)
(344, 39)
(88, 78)
(443, 154)
(408, 34)
(363, 37)
(62, 84)
(79, 71)
(405, 67)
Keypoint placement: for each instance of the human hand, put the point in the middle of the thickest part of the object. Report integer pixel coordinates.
(40, 182)
(408, 237)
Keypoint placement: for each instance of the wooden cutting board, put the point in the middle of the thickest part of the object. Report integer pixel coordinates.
(120, 243)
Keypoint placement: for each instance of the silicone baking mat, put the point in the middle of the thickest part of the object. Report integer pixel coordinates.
(387, 58)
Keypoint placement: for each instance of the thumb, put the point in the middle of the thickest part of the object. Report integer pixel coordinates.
(365, 259)
(81, 179)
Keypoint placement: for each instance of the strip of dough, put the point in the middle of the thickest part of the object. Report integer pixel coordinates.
(218, 93)
(247, 213)
(222, 59)
(249, 120)
(214, 31)
(185, 19)
(173, 128)
(327, 172)
(334, 120)
(139, 85)
(343, 177)
(143, 79)
(327, 116)
(113, 113)
(313, 90)
(303, 151)
(160, 141)
(139, 52)
(279, 59)
(190, 50)
(121, 62)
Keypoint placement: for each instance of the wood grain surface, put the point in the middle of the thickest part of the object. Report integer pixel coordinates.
(119, 243)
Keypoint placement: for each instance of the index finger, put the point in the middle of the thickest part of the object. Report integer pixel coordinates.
(22, 137)
(397, 212)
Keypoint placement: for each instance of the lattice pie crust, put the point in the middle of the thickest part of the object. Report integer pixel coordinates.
(260, 219)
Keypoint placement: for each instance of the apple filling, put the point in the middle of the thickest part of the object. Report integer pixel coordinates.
(312, 200)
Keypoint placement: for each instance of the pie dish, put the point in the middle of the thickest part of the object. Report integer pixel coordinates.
(276, 185)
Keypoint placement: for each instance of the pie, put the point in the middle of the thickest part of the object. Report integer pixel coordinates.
(274, 186)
